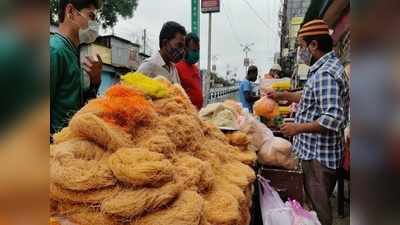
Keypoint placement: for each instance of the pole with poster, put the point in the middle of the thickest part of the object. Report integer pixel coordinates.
(209, 6)
(246, 50)
(195, 17)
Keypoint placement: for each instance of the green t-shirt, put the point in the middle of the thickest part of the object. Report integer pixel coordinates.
(66, 82)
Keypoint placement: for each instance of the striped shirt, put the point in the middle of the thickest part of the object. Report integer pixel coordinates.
(325, 99)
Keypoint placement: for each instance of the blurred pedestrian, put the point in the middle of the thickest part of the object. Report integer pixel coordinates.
(189, 72)
(275, 71)
(247, 94)
(269, 78)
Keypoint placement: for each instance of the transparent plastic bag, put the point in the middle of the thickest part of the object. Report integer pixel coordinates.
(278, 152)
(302, 216)
(258, 133)
(273, 210)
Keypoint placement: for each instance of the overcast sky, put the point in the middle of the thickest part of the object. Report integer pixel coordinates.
(239, 22)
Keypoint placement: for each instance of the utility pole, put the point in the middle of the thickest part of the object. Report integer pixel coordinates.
(209, 7)
(144, 40)
(214, 63)
(209, 56)
(228, 72)
(246, 50)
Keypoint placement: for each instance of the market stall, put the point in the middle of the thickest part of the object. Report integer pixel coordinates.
(142, 155)
(277, 167)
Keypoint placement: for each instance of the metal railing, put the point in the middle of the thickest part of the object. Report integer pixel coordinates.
(222, 93)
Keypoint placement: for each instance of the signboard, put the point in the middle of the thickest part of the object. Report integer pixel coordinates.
(210, 6)
(195, 17)
(214, 68)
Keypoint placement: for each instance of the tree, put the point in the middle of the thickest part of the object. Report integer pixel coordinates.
(109, 12)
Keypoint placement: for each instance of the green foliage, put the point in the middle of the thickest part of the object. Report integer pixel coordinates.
(109, 12)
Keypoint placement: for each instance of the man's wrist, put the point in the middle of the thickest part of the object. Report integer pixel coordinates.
(298, 128)
(95, 81)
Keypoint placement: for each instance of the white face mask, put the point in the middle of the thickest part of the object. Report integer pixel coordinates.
(89, 34)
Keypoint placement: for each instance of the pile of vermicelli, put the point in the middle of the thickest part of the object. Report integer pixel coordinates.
(128, 159)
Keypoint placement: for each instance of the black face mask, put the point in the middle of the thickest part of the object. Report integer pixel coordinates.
(175, 54)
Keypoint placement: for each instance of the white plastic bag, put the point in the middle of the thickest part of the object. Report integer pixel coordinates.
(258, 133)
(278, 152)
(273, 210)
(302, 216)
(219, 115)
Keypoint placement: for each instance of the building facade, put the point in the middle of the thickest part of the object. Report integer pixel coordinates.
(292, 16)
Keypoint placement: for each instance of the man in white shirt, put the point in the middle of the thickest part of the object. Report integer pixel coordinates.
(172, 45)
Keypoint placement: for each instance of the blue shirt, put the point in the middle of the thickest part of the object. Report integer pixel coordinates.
(245, 85)
(325, 99)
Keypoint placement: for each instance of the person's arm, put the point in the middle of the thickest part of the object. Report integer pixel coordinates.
(285, 95)
(146, 68)
(250, 97)
(291, 129)
(93, 68)
(326, 90)
(91, 92)
(56, 71)
(247, 91)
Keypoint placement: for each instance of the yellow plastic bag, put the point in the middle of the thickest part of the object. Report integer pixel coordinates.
(149, 86)
(282, 85)
(284, 110)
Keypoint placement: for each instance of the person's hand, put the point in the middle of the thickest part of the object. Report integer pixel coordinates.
(93, 68)
(272, 94)
(290, 129)
(263, 94)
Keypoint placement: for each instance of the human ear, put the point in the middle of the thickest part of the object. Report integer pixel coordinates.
(314, 45)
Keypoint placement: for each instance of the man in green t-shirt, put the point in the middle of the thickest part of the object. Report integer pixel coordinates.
(68, 89)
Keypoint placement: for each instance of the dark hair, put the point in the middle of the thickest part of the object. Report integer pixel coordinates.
(78, 4)
(191, 37)
(169, 31)
(252, 69)
(325, 42)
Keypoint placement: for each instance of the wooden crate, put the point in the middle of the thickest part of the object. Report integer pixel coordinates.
(288, 183)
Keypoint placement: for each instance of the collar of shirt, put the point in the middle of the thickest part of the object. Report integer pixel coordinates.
(157, 59)
(322, 61)
(69, 43)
